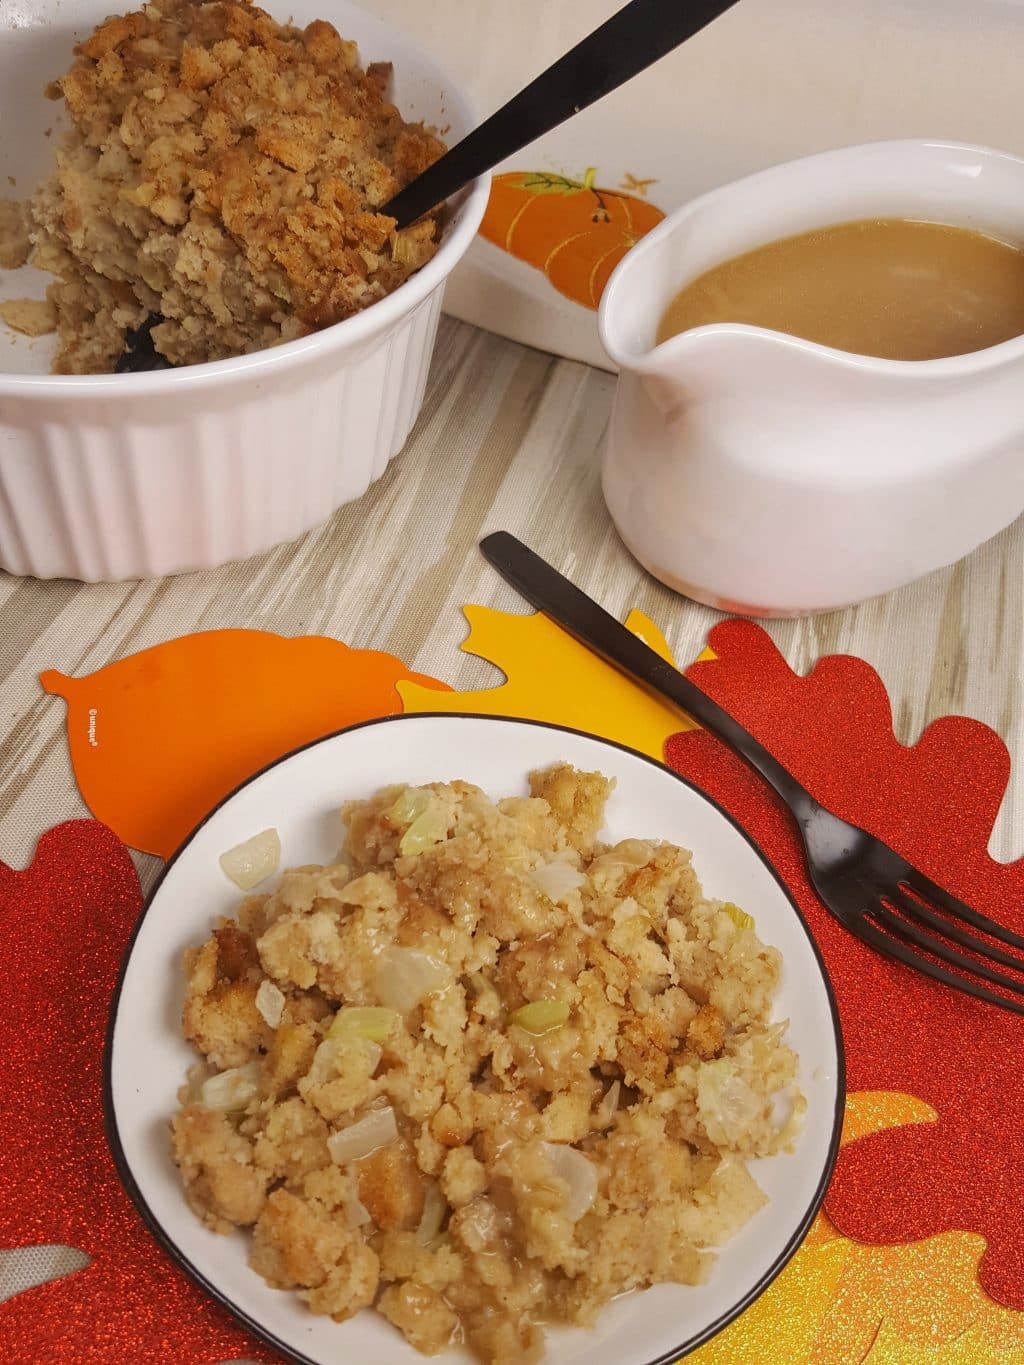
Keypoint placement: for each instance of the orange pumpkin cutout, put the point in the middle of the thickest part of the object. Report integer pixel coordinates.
(576, 233)
(158, 738)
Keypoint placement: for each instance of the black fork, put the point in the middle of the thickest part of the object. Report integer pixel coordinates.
(867, 886)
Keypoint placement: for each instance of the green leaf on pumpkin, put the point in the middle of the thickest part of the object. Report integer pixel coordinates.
(547, 182)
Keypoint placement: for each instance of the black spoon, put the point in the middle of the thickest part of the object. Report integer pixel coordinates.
(629, 42)
(140, 354)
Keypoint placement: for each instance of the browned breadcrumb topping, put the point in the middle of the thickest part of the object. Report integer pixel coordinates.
(226, 173)
(563, 1049)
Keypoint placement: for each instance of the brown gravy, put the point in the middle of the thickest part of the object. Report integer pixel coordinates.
(889, 287)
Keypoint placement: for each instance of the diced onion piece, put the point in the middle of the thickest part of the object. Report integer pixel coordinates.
(356, 1211)
(249, 863)
(434, 1210)
(425, 831)
(578, 1172)
(270, 1003)
(607, 1109)
(233, 1090)
(479, 1225)
(726, 1104)
(557, 880)
(412, 802)
(540, 1016)
(405, 976)
(329, 1057)
(628, 853)
(364, 1021)
(739, 917)
(375, 1130)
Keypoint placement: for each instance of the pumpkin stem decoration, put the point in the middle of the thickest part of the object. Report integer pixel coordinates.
(573, 230)
(601, 214)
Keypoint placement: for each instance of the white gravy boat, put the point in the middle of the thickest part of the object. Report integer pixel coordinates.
(771, 476)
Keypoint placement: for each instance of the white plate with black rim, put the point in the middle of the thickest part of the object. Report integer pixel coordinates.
(299, 795)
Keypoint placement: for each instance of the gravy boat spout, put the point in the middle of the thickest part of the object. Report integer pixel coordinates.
(768, 475)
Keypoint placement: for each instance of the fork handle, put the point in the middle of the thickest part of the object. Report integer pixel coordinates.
(586, 621)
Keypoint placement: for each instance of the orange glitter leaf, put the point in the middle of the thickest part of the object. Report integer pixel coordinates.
(159, 737)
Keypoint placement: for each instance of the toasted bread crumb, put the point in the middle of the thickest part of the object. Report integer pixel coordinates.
(31, 317)
(225, 173)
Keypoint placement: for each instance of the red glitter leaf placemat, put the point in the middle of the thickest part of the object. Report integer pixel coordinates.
(66, 922)
(935, 803)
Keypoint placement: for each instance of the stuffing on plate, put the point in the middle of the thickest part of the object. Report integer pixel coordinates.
(485, 1074)
(219, 185)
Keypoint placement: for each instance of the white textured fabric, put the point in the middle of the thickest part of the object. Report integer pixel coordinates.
(35, 1265)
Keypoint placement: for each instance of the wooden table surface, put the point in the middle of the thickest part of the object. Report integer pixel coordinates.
(509, 438)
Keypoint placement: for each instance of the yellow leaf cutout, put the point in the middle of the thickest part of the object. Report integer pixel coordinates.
(840, 1302)
(872, 1111)
(550, 677)
(781, 1326)
(969, 1348)
(917, 1298)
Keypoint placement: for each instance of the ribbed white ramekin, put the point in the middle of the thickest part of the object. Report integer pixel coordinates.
(129, 476)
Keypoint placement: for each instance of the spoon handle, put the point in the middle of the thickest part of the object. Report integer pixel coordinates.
(626, 44)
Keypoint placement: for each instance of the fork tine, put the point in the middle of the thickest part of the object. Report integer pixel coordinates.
(926, 887)
(914, 908)
(892, 948)
(908, 930)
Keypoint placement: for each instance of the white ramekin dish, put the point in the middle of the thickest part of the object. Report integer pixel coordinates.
(107, 477)
(763, 474)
